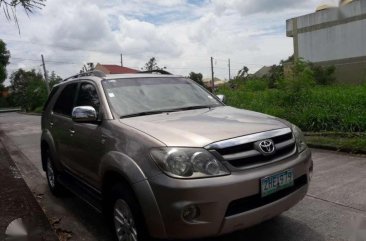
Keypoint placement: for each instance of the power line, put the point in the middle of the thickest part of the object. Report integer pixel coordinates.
(37, 60)
(113, 53)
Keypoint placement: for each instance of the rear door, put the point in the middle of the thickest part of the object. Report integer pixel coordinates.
(62, 125)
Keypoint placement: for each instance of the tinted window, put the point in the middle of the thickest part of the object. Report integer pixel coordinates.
(88, 96)
(53, 92)
(65, 102)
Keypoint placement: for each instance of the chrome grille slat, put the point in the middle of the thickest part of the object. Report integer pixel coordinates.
(241, 152)
(249, 138)
(284, 144)
(241, 155)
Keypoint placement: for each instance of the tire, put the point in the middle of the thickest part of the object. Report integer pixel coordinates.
(55, 187)
(125, 216)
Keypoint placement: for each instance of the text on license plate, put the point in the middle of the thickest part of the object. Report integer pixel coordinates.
(276, 182)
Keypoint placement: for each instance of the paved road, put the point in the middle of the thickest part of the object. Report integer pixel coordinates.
(333, 208)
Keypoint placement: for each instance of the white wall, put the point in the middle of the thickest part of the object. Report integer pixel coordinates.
(338, 42)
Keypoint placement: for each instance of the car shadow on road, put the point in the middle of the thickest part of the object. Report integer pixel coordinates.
(281, 228)
(93, 223)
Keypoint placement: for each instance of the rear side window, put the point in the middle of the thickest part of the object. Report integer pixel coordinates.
(88, 96)
(53, 92)
(65, 102)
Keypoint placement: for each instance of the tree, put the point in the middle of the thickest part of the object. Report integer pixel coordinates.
(28, 89)
(197, 77)
(87, 67)
(9, 8)
(152, 65)
(53, 79)
(4, 61)
(243, 73)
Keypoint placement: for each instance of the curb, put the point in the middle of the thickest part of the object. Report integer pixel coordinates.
(333, 148)
(30, 113)
(9, 110)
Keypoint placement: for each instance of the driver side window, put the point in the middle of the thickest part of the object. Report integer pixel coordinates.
(88, 96)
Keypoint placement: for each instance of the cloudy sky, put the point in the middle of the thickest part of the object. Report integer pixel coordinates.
(181, 34)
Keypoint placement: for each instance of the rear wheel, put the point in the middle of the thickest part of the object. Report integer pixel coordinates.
(55, 187)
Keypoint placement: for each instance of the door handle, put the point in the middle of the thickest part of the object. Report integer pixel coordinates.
(51, 123)
(72, 132)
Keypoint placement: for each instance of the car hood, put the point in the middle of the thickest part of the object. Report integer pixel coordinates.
(198, 128)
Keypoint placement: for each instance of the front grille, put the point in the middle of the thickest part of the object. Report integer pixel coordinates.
(245, 155)
(256, 201)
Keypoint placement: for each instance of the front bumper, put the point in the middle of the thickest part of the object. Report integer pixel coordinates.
(223, 201)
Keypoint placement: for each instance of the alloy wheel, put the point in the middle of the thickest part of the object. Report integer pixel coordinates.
(50, 174)
(124, 222)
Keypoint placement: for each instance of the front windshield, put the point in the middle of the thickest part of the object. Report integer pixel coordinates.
(139, 95)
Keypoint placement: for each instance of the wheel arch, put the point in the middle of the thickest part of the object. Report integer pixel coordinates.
(48, 145)
(118, 168)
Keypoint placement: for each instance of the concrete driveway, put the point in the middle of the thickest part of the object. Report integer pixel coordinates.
(334, 208)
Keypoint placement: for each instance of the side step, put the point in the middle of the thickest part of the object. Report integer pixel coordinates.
(81, 190)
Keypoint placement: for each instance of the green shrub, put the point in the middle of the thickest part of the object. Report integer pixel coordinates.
(321, 108)
(301, 80)
(323, 75)
(38, 109)
(256, 84)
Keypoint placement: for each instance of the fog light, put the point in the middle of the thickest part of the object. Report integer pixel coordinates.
(311, 171)
(190, 213)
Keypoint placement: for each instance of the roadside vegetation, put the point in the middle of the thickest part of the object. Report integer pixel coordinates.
(309, 98)
(322, 108)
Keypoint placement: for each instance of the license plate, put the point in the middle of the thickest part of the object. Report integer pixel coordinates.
(276, 182)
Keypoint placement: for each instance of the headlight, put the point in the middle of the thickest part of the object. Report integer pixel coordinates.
(300, 139)
(188, 162)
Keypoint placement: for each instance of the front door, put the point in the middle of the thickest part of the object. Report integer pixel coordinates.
(88, 142)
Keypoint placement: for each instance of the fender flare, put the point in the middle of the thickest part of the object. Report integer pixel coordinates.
(130, 171)
(123, 165)
(47, 138)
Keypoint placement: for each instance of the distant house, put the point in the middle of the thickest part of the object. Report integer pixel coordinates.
(208, 82)
(5, 92)
(263, 72)
(114, 69)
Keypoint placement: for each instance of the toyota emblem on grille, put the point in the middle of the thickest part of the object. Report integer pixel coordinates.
(266, 147)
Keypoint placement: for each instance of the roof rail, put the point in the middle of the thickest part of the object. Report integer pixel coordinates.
(96, 73)
(159, 71)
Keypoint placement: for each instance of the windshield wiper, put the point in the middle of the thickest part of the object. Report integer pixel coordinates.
(154, 112)
(144, 113)
(196, 107)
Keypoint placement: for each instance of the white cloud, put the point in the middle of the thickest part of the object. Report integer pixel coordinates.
(257, 6)
(182, 34)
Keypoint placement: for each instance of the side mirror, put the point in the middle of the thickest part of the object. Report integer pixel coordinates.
(221, 98)
(84, 114)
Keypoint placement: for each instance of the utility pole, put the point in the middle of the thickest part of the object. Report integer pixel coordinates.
(213, 80)
(45, 75)
(121, 59)
(229, 71)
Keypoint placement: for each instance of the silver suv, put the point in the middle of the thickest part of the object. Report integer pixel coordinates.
(164, 158)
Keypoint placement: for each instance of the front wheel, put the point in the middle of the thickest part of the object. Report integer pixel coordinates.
(125, 216)
(124, 223)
